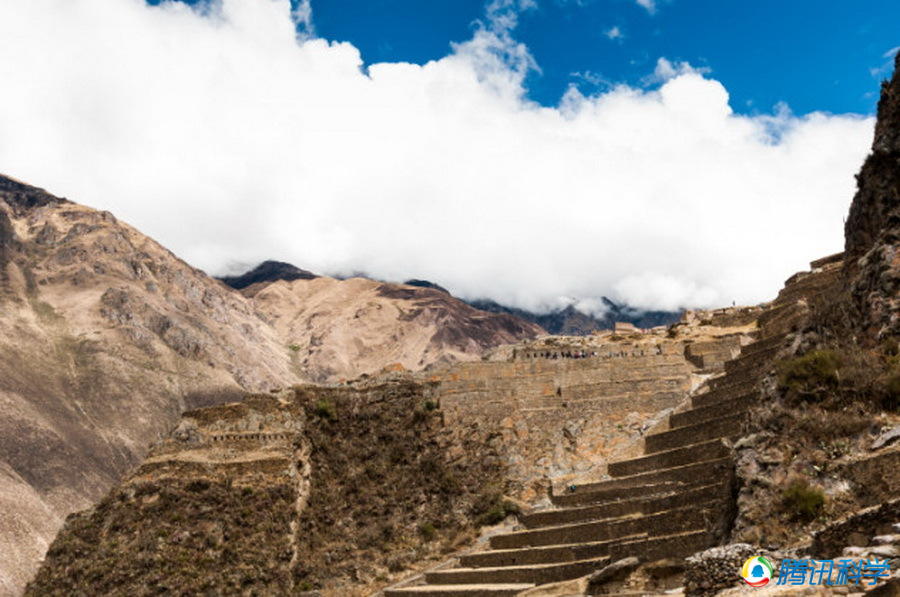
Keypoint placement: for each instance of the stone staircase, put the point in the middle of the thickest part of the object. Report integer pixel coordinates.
(673, 501)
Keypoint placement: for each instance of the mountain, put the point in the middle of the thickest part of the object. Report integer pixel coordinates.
(268, 271)
(105, 338)
(426, 284)
(340, 329)
(569, 321)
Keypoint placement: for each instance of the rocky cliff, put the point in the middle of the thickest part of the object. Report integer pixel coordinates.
(872, 230)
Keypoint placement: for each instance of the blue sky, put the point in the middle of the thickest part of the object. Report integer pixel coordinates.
(405, 140)
(813, 55)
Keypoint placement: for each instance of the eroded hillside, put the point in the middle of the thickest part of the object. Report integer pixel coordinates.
(106, 338)
(340, 329)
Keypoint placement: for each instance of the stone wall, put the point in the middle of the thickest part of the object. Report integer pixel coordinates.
(562, 408)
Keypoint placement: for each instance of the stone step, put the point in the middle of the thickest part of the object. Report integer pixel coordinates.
(544, 554)
(783, 318)
(699, 452)
(763, 344)
(712, 411)
(727, 426)
(488, 590)
(737, 378)
(612, 490)
(557, 516)
(638, 505)
(676, 545)
(677, 520)
(755, 361)
(657, 482)
(529, 573)
(714, 397)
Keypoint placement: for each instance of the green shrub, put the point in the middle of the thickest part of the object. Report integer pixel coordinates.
(294, 347)
(427, 530)
(811, 376)
(892, 391)
(429, 405)
(802, 501)
(325, 409)
(498, 513)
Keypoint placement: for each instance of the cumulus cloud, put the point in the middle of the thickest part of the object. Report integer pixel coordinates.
(230, 139)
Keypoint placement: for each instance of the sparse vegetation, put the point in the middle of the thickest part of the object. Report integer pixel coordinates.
(810, 377)
(802, 501)
(325, 409)
(498, 513)
(844, 377)
(427, 530)
(294, 347)
(202, 527)
(384, 494)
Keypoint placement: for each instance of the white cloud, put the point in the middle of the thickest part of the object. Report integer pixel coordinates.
(614, 33)
(228, 139)
(650, 5)
(303, 17)
(665, 70)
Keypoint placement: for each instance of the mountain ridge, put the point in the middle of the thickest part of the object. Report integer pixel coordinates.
(568, 320)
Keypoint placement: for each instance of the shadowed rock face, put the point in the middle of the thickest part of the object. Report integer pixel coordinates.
(872, 229)
(105, 338)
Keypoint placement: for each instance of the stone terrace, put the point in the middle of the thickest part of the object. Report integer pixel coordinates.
(563, 405)
(675, 499)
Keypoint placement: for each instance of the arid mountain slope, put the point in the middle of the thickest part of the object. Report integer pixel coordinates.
(105, 338)
(339, 329)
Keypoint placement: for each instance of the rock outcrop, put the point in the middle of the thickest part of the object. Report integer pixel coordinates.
(872, 230)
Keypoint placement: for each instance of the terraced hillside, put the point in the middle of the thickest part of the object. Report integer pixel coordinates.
(674, 500)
